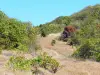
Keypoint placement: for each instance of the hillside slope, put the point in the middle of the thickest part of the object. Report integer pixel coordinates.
(70, 66)
(90, 14)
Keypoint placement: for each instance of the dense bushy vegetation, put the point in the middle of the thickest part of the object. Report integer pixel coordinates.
(19, 63)
(55, 26)
(15, 34)
(89, 33)
(43, 61)
(87, 37)
(49, 28)
(62, 20)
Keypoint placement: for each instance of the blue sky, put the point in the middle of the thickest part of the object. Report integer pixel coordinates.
(42, 11)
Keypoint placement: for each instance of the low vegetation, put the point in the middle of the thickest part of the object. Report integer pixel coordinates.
(49, 28)
(43, 61)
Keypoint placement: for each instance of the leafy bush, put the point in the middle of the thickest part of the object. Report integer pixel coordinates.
(15, 34)
(62, 20)
(98, 57)
(88, 36)
(89, 43)
(49, 28)
(54, 65)
(85, 51)
(19, 63)
(0, 50)
(43, 33)
(44, 61)
(49, 63)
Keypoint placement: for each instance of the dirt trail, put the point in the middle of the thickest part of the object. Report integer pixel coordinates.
(59, 51)
(71, 66)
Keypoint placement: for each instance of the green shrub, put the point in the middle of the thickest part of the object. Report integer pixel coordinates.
(43, 33)
(49, 63)
(74, 40)
(15, 34)
(88, 39)
(19, 63)
(85, 50)
(98, 57)
(53, 42)
(89, 49)
(44, 61)
(49, 28)
(54, 65)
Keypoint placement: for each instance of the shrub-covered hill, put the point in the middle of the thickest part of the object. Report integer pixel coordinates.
(89, 14)
(15, 34)
(89, 35)
(87, 39)
(54, 26)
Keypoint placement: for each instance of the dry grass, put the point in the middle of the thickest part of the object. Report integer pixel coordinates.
(62, 53)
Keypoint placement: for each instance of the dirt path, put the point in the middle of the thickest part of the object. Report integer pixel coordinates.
(71, 66)
(59, 51)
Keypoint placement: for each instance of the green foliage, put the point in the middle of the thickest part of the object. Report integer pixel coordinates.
(15, 34)
(43, 33)
(88, 34)
(49, 63)
(0, 50)
(19, 63)
(74, 39)
(55, 26)
(85, 51)
(43, 60)
(88, 37)
(98, 57)
(62, 20)
(54, 65)
(89, 49)
(49, 28)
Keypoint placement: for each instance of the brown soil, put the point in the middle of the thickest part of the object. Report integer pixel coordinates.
(62, 52)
